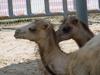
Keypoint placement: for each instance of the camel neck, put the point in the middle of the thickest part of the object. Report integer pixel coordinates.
(50, 54)
(49, 47)
(83, 38)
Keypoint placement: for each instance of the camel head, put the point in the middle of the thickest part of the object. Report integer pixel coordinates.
(35, 31)
(70, 28)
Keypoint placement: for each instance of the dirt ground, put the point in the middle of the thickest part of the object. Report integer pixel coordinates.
(19, 57)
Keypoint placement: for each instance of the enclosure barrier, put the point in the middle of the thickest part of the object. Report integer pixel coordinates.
(81, 7)
(10, 13)
(30, 8)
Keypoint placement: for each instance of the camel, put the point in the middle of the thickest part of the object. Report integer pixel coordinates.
(85, 61)
(73, 28)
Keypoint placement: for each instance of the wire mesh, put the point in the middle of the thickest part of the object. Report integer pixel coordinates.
(19, 7)
(92, 4)
(56, 5)
(38, 6)
(3, 7)
(70, 4)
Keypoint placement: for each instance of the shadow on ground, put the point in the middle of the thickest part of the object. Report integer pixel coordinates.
(25, 68)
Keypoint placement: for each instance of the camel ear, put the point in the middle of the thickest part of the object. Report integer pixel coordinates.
(45, 26)
(74, 21)
(63, 20)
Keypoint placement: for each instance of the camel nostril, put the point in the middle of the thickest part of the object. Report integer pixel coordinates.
(18, 31)
(66, 30)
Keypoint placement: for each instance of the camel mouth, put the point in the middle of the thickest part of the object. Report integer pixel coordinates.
(21, 37)
(66, 36)
(18, 37)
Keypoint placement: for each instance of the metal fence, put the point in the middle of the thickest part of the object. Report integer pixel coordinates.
(28, 8)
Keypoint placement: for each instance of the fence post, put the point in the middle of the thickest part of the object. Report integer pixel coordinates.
(81, 10)
(47, 10)
(28, 5)
(10, 8)
(99, 4)
(65, 9)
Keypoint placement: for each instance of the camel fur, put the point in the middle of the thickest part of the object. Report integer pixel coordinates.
(85, 61)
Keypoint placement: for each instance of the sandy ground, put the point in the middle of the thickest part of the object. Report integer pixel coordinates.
(19, 57)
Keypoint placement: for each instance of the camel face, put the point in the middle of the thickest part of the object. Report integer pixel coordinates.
(35, 31)
(73, 28)
(68, 29)
(63, 33)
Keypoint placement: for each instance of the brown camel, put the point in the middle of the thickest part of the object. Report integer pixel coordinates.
(81, 62)
(73, 28)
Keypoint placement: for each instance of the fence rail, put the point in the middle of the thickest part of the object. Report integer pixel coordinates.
(30, 8)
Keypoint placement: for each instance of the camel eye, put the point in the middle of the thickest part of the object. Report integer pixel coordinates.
(66, 29)
(32, 29)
